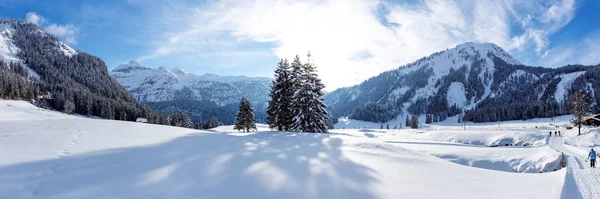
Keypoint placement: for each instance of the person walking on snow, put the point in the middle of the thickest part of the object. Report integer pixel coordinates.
(550, 134)
(592, 157)
(555, 133)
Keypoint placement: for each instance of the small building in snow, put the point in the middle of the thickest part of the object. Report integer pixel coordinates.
(142, 120)
(594, 120)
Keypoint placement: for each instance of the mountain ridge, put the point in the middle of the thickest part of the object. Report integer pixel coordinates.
(169, 90)
(454, 81)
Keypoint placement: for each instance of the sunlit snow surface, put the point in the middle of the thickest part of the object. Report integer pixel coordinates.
(45, 154)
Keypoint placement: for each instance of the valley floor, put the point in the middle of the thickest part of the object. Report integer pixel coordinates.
(45, 154)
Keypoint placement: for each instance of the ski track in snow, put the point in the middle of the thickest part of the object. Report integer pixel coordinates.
(581, 181)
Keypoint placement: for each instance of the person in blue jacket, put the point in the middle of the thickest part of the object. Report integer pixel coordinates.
(592, 157)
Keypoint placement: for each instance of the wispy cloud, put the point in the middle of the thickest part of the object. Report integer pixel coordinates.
(35, 18)
(341, 33)
(540, 20)
(585, 51)
(66, 32)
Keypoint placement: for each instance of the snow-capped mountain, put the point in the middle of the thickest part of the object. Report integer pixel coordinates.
(165, 90)
(9, 50)
(479, 78)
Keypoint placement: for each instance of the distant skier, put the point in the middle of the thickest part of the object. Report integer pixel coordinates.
(592, 157)
(550, 134)
(555, 133)
(559, 134)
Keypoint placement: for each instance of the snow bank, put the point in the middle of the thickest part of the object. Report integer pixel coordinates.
(590, 137)
(522, 160)
(470, 137)
(21, 110)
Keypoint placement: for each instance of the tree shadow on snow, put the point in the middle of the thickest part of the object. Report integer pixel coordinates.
(263, 165)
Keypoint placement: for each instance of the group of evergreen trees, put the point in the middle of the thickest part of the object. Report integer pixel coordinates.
(15, 82)
(297, 99)
(245, 117)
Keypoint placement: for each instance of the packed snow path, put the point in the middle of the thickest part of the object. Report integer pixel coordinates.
(581, 181)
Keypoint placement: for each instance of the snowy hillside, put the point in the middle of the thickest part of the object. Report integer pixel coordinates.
(474, 77)
(8, 50)
(175, 90)
(46, 154)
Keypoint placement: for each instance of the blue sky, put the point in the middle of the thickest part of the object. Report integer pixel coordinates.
(350, 40)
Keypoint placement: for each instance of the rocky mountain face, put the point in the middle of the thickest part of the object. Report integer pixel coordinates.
(201, 96)
(479, 80)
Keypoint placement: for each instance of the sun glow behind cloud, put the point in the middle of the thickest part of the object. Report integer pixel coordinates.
(352, 40)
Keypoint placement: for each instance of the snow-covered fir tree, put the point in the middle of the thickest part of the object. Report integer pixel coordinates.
(407, 122)
(245, 117)
(309, 110)
(279, 108)
(297, 99)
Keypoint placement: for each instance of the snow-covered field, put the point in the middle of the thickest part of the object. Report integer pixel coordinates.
(45, 154)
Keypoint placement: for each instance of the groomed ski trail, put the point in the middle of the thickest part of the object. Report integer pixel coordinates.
(581, 181)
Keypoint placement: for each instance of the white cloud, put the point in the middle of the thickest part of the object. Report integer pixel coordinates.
(346, 37)
(541, 20)
(35, 18)
(584, 51)
(67, 32)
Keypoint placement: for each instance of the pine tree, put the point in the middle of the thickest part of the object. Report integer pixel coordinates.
(309, 110)
(580, 108)
(387, 126)
(428, 119)
(279, 108)
(69, 107)
(414, 123)
(407, 123)
(381, 127)
(245, 117)
(106, 111)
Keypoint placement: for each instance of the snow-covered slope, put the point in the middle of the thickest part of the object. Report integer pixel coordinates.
(62, 156)
(8, 50)
(449, 82)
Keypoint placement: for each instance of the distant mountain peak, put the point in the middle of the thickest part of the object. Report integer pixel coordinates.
(484, 49)
(130, 66)
(165, 84)
(179, 71)
(7, 27)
